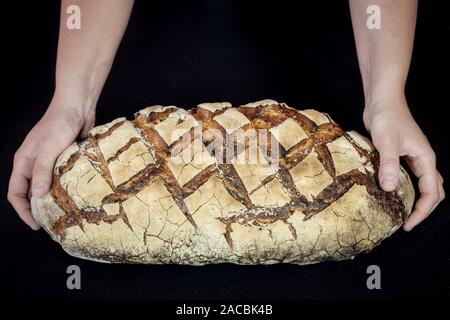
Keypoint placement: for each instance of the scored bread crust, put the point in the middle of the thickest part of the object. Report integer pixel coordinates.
(120, 196)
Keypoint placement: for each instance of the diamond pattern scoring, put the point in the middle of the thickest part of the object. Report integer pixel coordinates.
(190, 161)
(288, 133)
(313, 170)
(310, 177)
(176, 125)
(231, 120)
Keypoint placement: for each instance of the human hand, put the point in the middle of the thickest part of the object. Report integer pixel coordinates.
(34, 160)
(395, 134)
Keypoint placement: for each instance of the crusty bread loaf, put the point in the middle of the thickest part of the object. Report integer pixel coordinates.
(129, 193)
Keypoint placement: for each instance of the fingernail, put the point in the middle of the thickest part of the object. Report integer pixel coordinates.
(408, 228)
(39, 190)
(388, 183)
(35, 228)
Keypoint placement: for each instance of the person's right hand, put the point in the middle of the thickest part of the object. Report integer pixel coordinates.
(34, 160)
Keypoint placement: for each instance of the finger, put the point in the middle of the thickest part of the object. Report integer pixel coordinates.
(42, 173)
(441, 190)
(441, 187)
(438, 201)
(18, 191)
(388, 174)
(429, 192)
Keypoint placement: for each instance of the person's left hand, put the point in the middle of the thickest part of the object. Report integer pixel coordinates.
(395, 134)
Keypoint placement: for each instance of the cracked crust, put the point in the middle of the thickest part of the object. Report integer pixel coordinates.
(119, 196)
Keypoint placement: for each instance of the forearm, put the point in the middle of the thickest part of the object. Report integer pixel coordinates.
(85, 55)
(384, 54)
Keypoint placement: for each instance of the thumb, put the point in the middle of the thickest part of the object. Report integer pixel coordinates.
(42, 174)
(389, 164)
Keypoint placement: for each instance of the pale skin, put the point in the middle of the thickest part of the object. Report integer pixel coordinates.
(85, 57)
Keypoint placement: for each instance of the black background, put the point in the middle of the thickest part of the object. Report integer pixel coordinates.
(187, 52)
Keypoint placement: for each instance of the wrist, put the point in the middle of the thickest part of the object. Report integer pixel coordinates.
(75, 103)
(383, 89)
(378, 103)
(81, 87)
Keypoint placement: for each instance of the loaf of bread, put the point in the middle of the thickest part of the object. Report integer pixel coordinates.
(258, 184)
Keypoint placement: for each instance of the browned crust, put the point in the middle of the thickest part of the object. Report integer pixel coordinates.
(318, 136)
